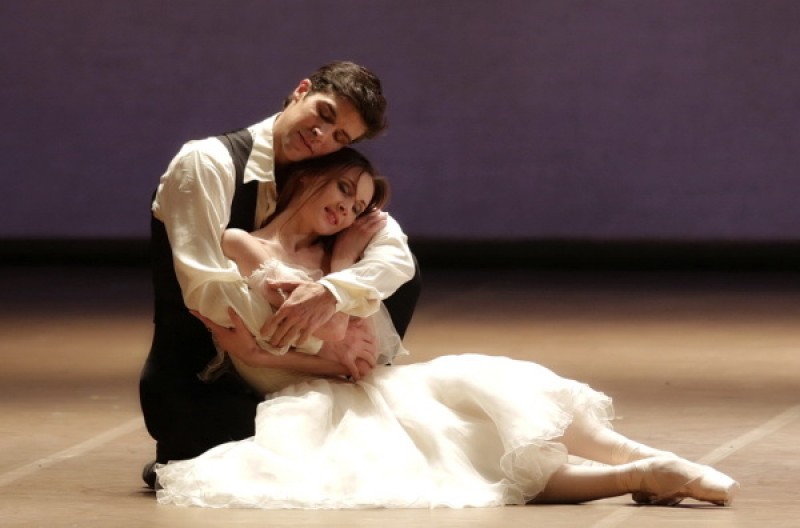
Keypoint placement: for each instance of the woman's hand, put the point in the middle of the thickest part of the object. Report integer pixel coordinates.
(358, 350)
(351, 242)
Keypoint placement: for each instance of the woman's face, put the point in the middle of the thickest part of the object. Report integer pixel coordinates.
(336, 206)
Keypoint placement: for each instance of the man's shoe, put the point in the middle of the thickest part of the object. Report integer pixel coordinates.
(149, 474)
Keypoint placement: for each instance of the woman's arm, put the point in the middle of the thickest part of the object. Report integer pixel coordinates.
(240, 343)
(351, 243)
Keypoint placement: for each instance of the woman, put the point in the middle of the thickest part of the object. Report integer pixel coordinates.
(463, 430)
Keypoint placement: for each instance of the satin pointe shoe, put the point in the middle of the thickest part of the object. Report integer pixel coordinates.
(666, 481)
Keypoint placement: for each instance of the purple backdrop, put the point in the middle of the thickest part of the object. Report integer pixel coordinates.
(518, 119)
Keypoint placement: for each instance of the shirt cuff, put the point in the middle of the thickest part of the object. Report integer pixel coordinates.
(331, 288)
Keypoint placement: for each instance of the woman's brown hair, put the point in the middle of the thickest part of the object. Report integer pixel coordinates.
(306, 178)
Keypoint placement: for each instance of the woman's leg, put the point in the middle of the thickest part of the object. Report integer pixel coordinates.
(664, 480)
(573, 484)
(592, 441)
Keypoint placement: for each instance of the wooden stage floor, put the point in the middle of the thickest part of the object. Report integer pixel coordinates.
(704, 364)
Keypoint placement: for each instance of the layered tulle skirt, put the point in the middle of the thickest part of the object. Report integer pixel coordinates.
(457, 431)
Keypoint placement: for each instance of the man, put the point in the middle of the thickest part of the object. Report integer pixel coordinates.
(230, 181)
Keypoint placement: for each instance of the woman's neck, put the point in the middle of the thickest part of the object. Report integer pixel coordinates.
(299, 244)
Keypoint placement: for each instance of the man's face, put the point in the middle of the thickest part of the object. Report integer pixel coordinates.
(315, 124)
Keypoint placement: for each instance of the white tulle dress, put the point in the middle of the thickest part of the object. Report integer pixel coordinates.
(457, 431)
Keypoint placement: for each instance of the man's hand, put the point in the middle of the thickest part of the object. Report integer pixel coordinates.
(308, 306)
(237, 341)
(357, 351)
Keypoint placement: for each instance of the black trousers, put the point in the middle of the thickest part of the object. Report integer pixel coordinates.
(187, 416)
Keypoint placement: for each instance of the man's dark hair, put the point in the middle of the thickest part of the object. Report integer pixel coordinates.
(359, 86)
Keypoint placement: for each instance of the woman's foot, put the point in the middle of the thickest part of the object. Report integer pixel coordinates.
(630, 451)
(666, 481)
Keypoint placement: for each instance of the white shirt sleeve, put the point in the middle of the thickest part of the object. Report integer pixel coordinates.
(194, 202)
(387, 264)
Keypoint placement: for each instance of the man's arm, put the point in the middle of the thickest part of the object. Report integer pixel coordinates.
(357, 290)
(193, 201)
(386, 265)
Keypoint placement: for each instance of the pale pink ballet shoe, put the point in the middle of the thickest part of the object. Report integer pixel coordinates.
(666, 481)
